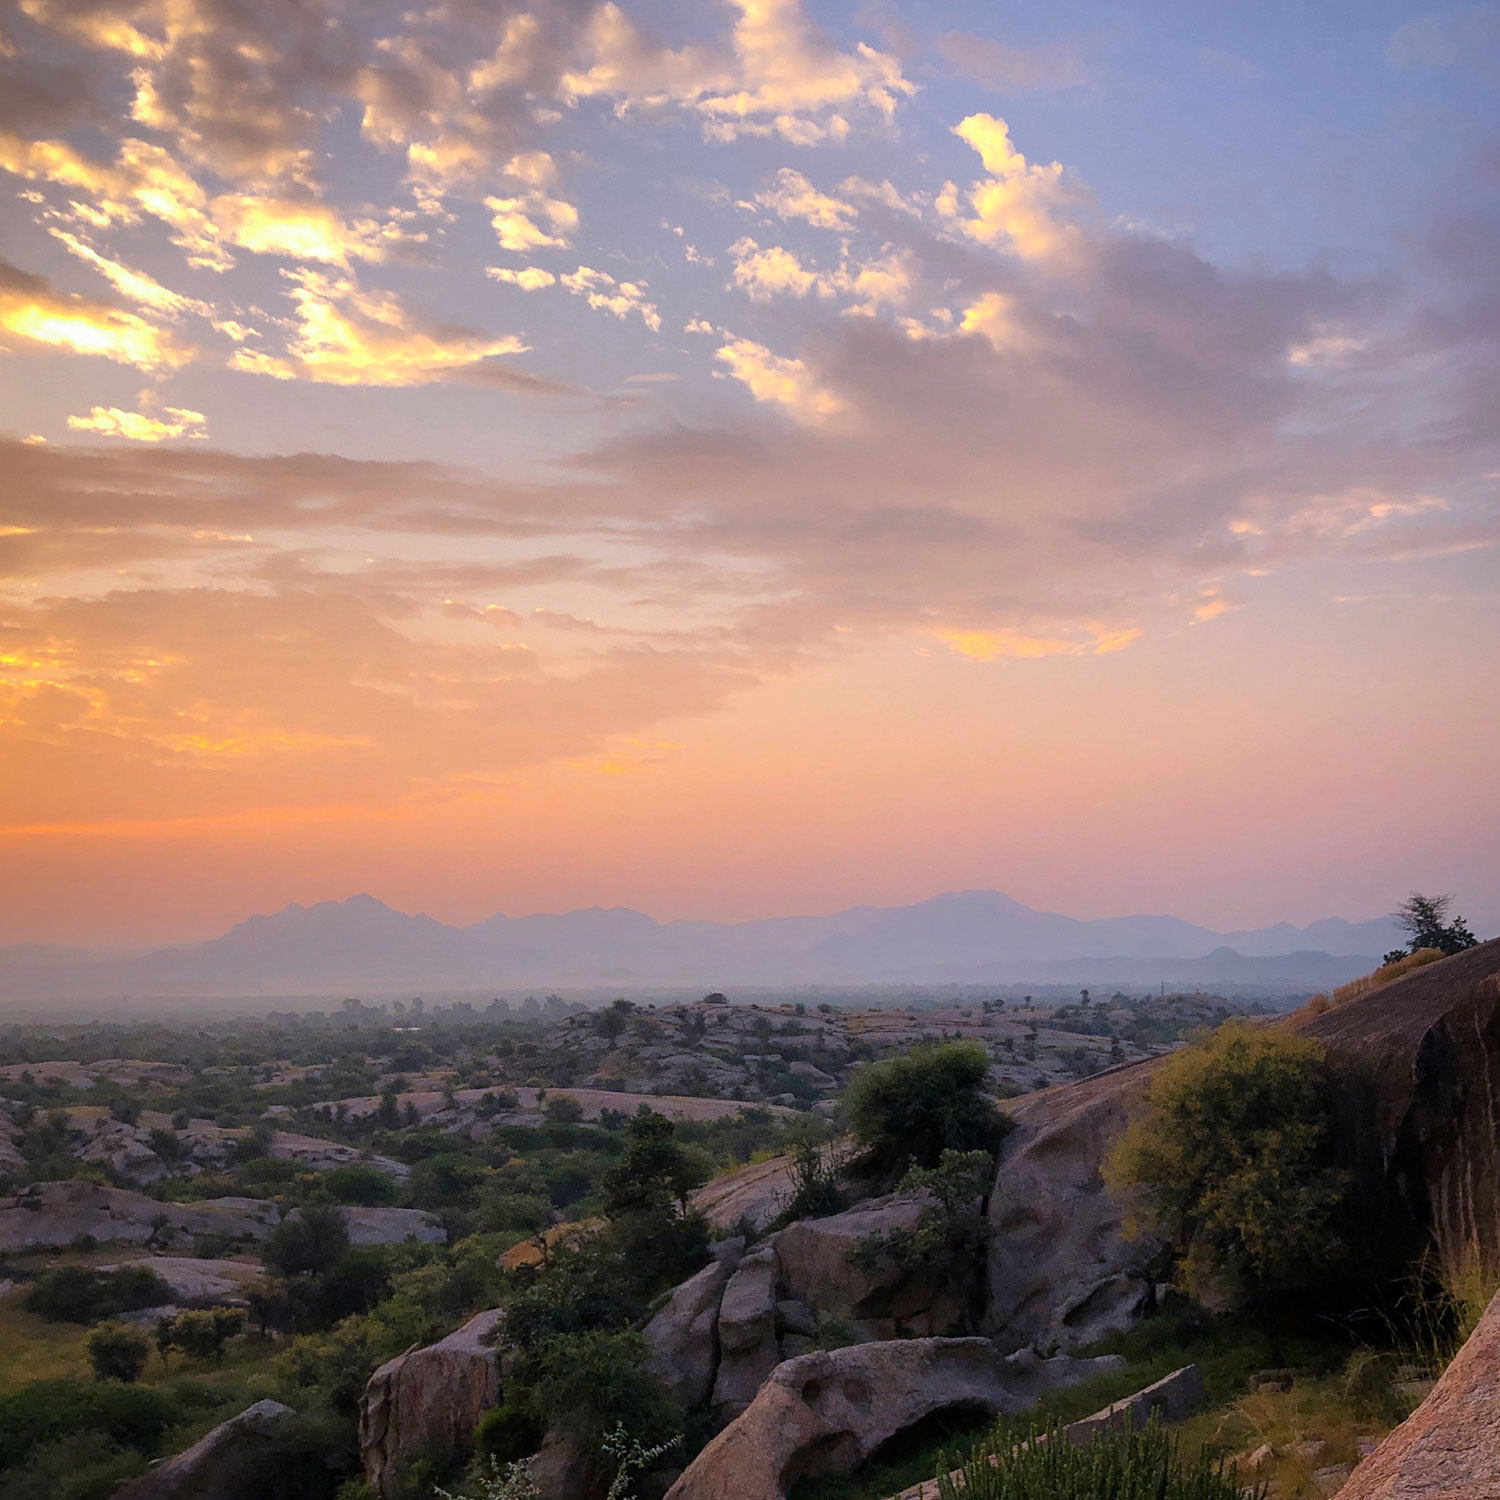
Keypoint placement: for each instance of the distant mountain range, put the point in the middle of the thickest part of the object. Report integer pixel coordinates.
(364, 946)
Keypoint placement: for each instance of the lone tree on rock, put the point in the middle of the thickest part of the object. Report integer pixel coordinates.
(1424, 920)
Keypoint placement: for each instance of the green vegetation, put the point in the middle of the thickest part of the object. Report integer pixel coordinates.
(1118, 1465)
(910, 1108)
(74, 1294)
(1230, 1164)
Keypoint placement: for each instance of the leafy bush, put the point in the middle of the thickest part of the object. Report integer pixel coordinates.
(506, 1434)
(73, 1294)
(586, 1383)
(1231, 1164)
(46, 1411)
(361, 1185)
(912, 1107)
(1118, 1465)
(118, 1352)
(562, 1109)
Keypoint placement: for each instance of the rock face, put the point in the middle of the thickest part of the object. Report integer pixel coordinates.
(239, 1460)
(753, 1195)
(826, 1412)
(429, 1397)
(1416, 1070)
(747, 1330)
(1449, 1448)
(1061, 1271)
(684, 1335)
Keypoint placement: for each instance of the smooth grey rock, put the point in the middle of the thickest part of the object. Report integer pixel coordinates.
(238, 1460)
(684, 1334)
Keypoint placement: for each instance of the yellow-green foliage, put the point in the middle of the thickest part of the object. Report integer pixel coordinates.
(1383, 975)
(1226, 1164)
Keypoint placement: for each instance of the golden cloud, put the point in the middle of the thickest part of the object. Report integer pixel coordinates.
(30, 309)
(1021, 204)
(784, 382)
(137, 427)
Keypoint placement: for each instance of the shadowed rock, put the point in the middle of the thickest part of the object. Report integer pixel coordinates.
(240, 1459)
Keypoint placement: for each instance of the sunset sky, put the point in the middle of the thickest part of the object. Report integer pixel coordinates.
(734, 459)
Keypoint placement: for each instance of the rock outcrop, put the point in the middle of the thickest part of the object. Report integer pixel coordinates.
(241, 1459)
(827, 1412)
(427, 1398)
(1415, 1072)
(813, 1258)
(684, 1336)
(747, 1330)
(1449, 1448)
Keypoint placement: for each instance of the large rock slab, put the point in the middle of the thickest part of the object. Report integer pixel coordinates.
(827, 1412)
(199, 1283)
(748, 1350)
(684, 1337)
(751, 1196)
(429, 1398)
(1062, 1272)
(1449, 1448)
(240, 1459)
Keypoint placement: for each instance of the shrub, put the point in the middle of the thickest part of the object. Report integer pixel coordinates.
(912, 1107)
(948, 1239)
(200, 1334)
(73, 1294)
(118, 1352)
(1394, 967)
(46, 1411)
(359, 1184)
(586, 1383)
(506, 1434)
(1231, 1162)
(563, 1109)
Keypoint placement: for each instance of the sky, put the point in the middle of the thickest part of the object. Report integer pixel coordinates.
(746, 458)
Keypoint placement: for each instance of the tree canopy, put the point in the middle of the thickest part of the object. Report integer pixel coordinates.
(1424, 920)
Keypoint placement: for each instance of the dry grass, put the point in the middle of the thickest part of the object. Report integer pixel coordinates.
(36, 1349)
(1383, 975)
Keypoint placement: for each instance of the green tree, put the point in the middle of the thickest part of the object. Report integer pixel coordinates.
(1230, 1162)
(118, 1352)
(1424, 919)
(653, 1171)
(912, 1107)
(307, 1242)
(613, 1019)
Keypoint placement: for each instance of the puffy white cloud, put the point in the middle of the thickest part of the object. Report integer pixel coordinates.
(775, 271)
(621, 298)
(140, 288)
(528, 278)
(792, 196)
(1021, 206)
(32, 311)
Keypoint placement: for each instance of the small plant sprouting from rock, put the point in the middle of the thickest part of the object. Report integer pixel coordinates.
(948, 1239)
